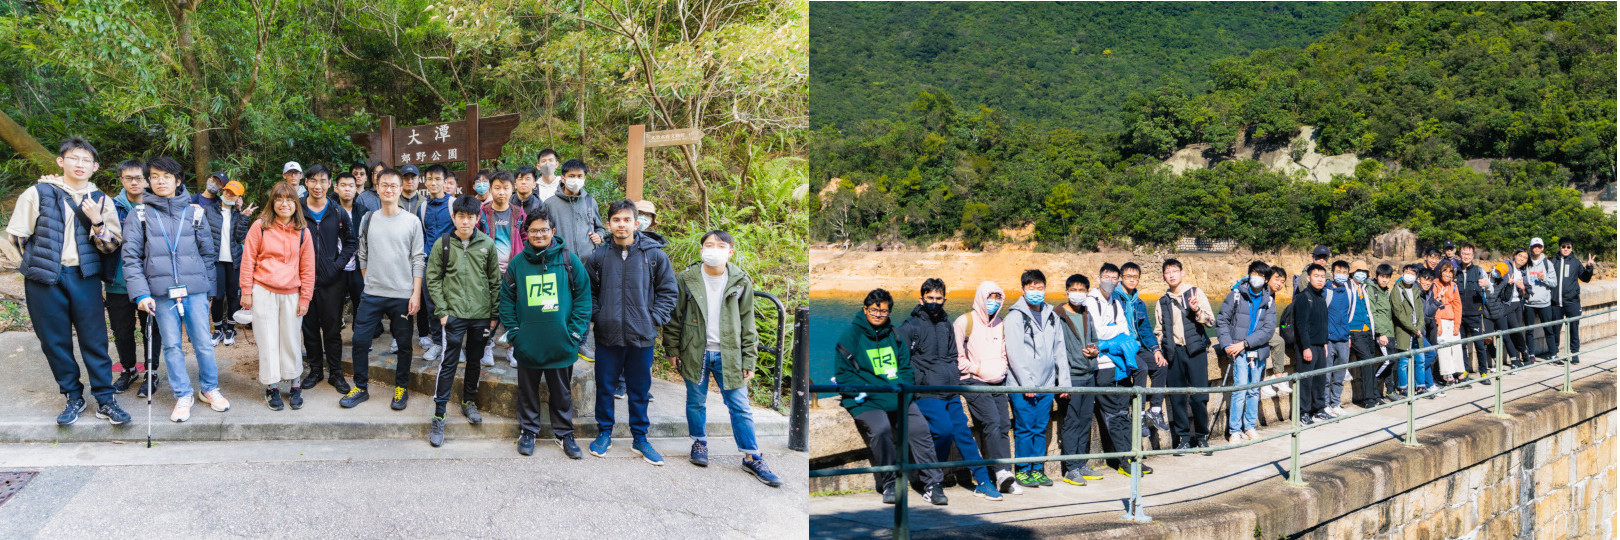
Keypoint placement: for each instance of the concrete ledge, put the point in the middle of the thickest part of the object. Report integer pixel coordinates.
(1342, 484)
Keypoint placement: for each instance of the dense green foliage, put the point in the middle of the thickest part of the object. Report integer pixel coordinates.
(1416, 100)
(267, 81)
(1057, 65)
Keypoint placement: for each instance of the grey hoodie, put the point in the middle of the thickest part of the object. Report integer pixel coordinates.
(1036, 354)
(1541, 293)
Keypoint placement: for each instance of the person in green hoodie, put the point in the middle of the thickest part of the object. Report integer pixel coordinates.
(1383, 331)
(712, 332)
(545, 326)
(869, 353)
(464, 282)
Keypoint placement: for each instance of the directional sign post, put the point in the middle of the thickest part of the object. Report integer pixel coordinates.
(640, 140)
(469, 140)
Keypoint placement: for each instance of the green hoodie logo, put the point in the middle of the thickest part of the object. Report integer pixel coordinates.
(542, 291)
(883, 362)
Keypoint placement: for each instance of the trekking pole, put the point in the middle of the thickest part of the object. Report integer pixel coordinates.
(149, 386)
(1226, 403)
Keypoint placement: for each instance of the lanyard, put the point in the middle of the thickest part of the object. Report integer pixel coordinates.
(173, 243)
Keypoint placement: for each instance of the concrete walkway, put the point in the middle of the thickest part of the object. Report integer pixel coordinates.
(1191, 477)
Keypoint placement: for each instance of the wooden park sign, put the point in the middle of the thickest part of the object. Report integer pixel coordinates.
(640, 140)
(469, 140)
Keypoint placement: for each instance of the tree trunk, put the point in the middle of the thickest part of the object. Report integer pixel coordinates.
(202, 151)
(584, 149)
(25, 144)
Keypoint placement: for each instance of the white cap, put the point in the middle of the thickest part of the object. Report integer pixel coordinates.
(243, 317)
(291, 166)
(1537, 242)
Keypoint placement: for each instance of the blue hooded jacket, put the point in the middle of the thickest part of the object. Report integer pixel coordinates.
(435, 214)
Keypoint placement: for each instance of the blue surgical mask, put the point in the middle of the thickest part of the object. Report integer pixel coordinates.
(1035, 298)
(992, 307)
(1361, 277)
(1340, 278)
(481, 188)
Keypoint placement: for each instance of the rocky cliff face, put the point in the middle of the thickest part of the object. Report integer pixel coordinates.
(1315, 166)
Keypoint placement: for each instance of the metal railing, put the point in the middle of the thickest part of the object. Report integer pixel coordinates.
(1134, 511)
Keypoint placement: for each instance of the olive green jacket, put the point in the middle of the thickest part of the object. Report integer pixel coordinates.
(686, 335)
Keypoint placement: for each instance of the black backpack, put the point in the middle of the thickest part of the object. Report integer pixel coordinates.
(1285, 326)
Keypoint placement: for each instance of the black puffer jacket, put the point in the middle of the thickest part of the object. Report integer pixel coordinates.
(335, 241)
(932, 343)
(632, 294)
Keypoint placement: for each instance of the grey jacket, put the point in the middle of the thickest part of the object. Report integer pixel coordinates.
(1540, 293)
(1232, 324)
(1036, 353)
(150, 267)
(575, 218)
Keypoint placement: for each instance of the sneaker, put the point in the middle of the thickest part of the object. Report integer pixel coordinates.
(511, 358)
(526, 443)
(1073, 478)
(112, 413)
(888, 493)
(356, 396)
(218, 337)
(182, 408)
(1090, 474)
(215, 400)
(125, 380)
(1267, 391)
(1156, 419)
(1235, 438)
(700, 454)
(313, 379)
(400, 398)
(987, 492)
(230, 337)
(489, 357)
(1181, 449)
(432, 353)
(936, 495)
(470, 410)
(1203, 442)
(295, 398)
(1251, 434)
(70, 414)
(153, 382)
(1306, 420)
(272, 398)
(647, 452)
(755, 464)
(1007, 483)
(600, 446)
(569, 448)
(436, 434)
(1042, 478)
(618, 393)
(586, 358)
(338, 383)
(393, 347)
(1125, 469)
(424, 341)
(1027, 480)
(1322, 417)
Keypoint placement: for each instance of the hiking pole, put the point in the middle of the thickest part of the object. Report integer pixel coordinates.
(1226, 403)
(149, 386)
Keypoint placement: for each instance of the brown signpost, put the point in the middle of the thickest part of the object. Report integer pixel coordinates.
(640, 140)
(469, 140)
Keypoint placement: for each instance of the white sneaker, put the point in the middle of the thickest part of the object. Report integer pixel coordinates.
(424, 341)
(511, 358)
(182, 409)
(489, 356)
(1002, 479)
(215, 400)
(432, 353)
(1268, 391)
(393, 347)
(1284, 388)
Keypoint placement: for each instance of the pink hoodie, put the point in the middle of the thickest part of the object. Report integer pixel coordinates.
(983, 355)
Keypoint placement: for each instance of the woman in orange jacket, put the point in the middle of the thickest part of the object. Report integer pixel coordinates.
(1449, 316)
(278, 278)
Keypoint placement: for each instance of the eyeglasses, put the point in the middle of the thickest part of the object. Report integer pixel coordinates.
(878, 312)
(80, 160)
(540, 231)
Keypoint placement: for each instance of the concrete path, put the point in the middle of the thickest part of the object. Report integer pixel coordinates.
(1191, 477)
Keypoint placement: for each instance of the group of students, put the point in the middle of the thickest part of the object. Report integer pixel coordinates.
(530, 255)
(1101, 336)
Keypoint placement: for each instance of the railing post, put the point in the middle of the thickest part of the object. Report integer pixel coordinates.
(1294, 477)
(1134, 511)
(799, 417)
(902, 480)
(1563, 339)
(1501, 355)
(1411, 402)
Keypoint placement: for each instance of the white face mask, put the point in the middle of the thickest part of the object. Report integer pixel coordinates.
(1256, 281)
(574, 184)
(1076, 297)
(716, 256)
(643, 222)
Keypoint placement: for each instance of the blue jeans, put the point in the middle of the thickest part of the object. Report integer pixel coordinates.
(1246, 403)
(1030, 416)
(1422, 377)
(949, 427)
(742, 415)
(635, 364)
(199, 330)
